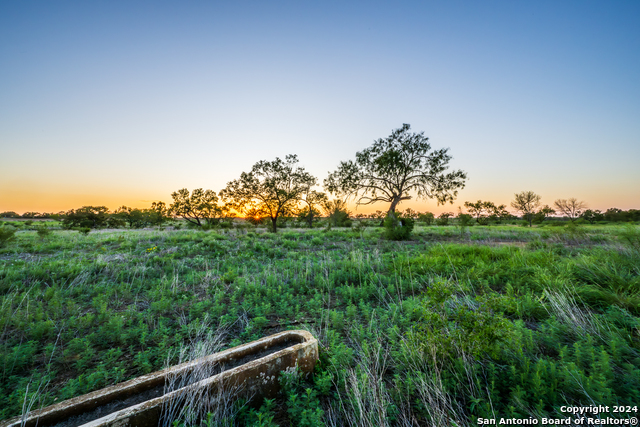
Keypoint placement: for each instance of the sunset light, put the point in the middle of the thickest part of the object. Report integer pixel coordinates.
(319, 213)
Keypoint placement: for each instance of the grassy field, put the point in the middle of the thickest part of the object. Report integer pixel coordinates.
(449, 327)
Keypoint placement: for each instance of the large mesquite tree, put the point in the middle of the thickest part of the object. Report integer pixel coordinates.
(272, 189)
(394, 168)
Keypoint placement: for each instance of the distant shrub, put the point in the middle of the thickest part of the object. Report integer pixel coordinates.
(443, 218)
(555, 223)
(337, 213)
(464, 221)
(84, 230)
(225, 225)
(7, 234)
(43, 232)
(360, 226)
(426, 217)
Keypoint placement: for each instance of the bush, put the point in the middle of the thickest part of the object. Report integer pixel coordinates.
(7, 234)
(397, 227)
(426, 217)
(443, 218)
(225, 225)
(483, 220)
(337, 213)
(43, 232)
(464, 221)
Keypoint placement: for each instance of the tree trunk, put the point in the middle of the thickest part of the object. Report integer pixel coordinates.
(274, 227)
(392, 208)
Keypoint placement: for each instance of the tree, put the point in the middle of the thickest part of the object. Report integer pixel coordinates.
(9, 214)
(378, 215)
(443, 218)
(337, 213)
(526, 203)
(198, 208)
(395, 167)
(86, 217)
(312, 198)
(464, 221)
(542, 214)
(158, 213)
(499, 213)
(410, 213)
(139, 218)
(592, 216)
(272, 189)
(571, 208)
(426, 217)
(480, 210)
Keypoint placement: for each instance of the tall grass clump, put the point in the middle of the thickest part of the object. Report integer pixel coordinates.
(192, 405)
(630, 237)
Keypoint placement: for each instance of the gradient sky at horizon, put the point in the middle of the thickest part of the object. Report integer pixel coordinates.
(121, 103)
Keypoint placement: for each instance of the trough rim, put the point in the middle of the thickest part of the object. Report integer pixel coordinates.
(159, 376)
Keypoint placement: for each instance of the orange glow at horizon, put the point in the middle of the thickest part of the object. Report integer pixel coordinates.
(28, 193)
(34, 199)
(30, 199)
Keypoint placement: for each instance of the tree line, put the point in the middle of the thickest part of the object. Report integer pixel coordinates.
(394, 169)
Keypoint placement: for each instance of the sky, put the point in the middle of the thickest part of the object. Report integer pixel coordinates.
(123, 102)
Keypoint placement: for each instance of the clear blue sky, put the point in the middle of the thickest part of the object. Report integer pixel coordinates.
(123, 102)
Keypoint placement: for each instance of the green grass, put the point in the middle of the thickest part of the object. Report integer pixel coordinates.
(445, 328)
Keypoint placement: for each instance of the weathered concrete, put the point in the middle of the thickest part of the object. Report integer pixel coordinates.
(258, 377)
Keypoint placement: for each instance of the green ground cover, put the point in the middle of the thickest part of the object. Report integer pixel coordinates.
(448, 327)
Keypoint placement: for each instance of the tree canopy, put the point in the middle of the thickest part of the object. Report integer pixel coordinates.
(571, 207)
(87, 216)
(483, 211)
(271, 189)
(313, 199)
(526, 202)
(394, 168)
(199, 207)
(139, 218)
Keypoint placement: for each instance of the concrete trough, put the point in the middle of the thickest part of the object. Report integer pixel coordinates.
(255, 367)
